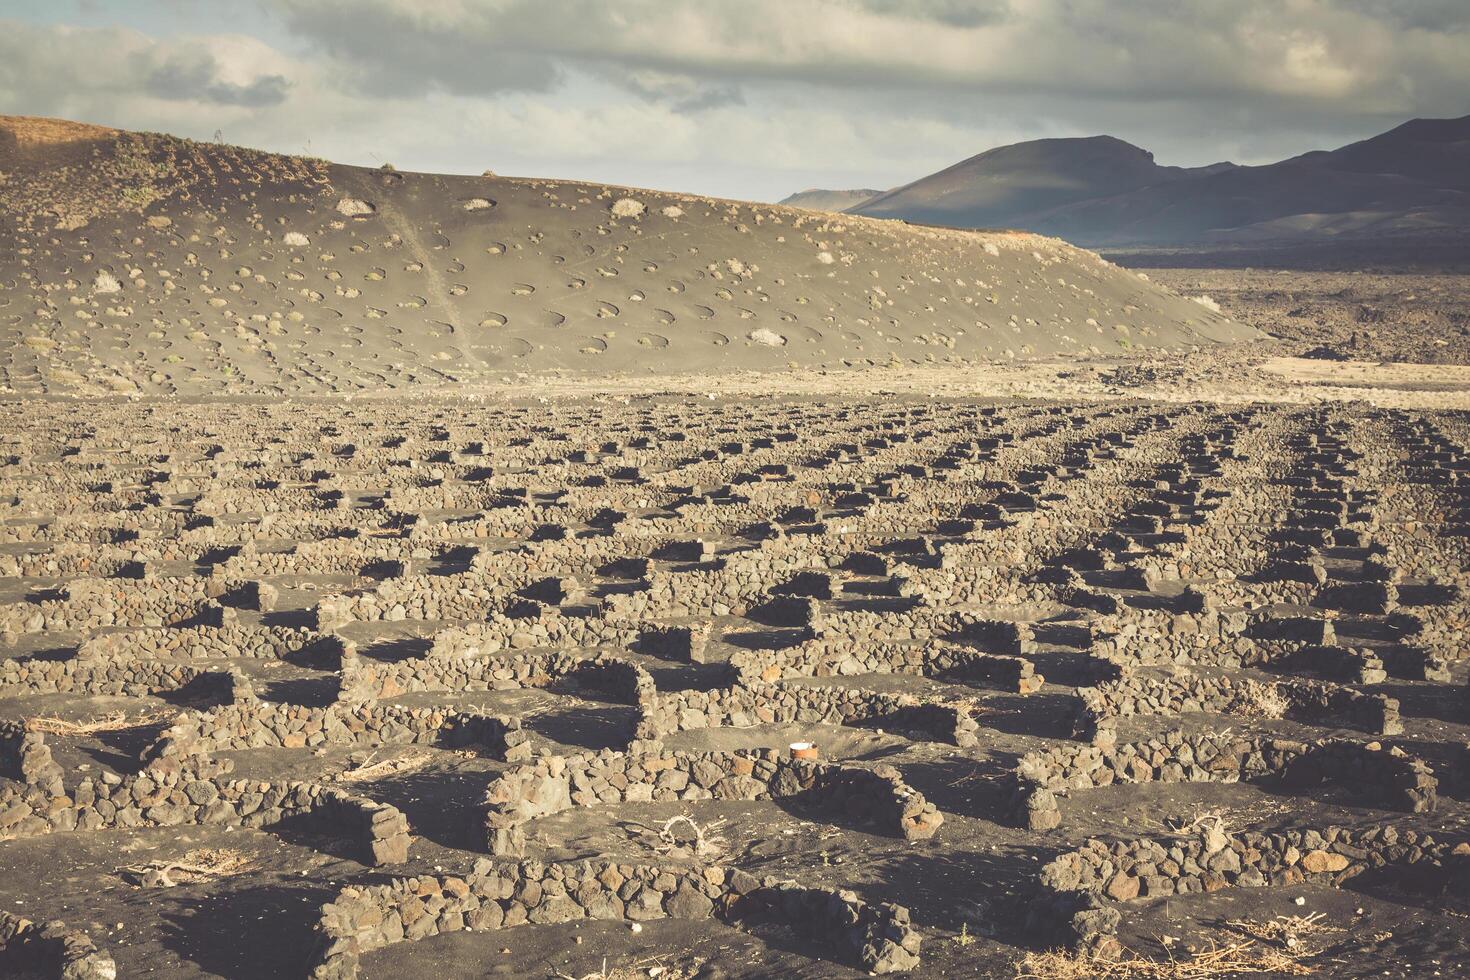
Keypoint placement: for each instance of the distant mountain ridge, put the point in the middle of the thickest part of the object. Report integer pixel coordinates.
(1412, 181)
(818, 199)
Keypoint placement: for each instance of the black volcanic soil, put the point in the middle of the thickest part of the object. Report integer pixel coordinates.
(246, 392)
(967, 887)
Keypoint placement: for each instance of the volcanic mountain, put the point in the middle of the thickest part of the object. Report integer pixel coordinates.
(1413, 181)
(1003, 187)
(143, 263)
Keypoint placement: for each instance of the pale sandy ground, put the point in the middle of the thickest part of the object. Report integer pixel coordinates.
(1386, 383)
(1171, 378)
(1414, 317)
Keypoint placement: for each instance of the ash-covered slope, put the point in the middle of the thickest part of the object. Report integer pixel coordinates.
(144, 263)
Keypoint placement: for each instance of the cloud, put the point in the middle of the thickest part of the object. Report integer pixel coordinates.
(403, 50)
(685, 93)
(955, 13)
(85, 72)
(749, 98)
(183, 77)
(1301, 51)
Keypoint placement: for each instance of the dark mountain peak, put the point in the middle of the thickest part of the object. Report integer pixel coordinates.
(1064, 152)
(990, 188)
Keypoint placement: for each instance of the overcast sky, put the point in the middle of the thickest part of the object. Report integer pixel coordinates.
(738, 98)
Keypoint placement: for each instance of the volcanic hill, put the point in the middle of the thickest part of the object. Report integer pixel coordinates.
(139, 263)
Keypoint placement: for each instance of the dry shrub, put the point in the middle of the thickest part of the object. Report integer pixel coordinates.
(628, 207)
(1254, 699)
(689, 841)
(1285, 930)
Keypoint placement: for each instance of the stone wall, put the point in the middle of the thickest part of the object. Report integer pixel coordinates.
(877, 797)
(782, 703)
(826, 656)
(682, 643)
(94, 603)
(877, 938)
(262, 724)
(721, 591)
(1099, 708)
(213, 643)
(1147, 637)
(50, 951)
(175, 792)
(363, 679)
(434, 597)
(1079, 890)
(1387, 778)
(26, 758)
(505, 633)
(137, 677)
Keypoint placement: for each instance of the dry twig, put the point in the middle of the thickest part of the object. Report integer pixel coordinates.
(205, 864)
(704, 842)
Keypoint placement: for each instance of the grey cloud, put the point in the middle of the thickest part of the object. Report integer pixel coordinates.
(1315, 52)
(63, 69)
(956, 13)
(1425, 15)
(392, 51)
(711, 97)
(742, 96)
(684, 93)
(196, 77)
(267, 90)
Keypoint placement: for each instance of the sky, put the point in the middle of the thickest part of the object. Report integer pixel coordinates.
(749, 99)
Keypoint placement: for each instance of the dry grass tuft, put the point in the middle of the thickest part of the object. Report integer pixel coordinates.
(115, 722)
(1228, 960)
(1285, 930)
(653, 966)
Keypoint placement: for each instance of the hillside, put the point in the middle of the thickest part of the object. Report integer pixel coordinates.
(147, 263)
(1413, 181)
